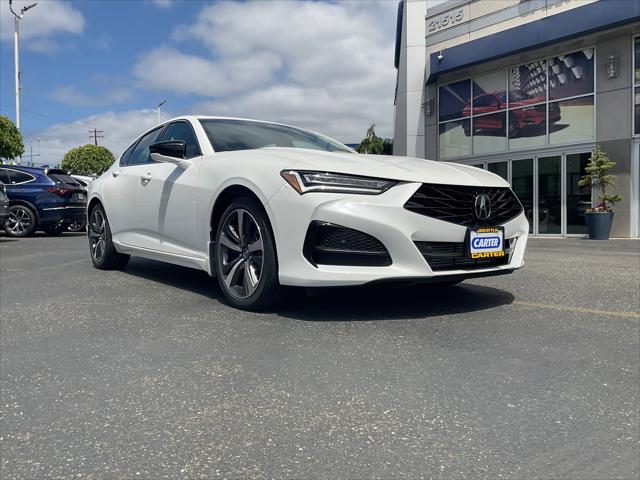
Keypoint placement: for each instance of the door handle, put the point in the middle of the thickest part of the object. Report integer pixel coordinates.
(145, 178)
(115, 173)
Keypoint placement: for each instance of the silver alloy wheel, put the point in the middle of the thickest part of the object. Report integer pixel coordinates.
(241, 255)
(97, 235)
(76, 226)
(18, 221)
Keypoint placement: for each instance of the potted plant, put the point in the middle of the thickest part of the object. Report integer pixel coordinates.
(600, 217)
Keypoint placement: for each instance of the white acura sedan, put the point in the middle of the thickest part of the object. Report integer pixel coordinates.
(263, 205)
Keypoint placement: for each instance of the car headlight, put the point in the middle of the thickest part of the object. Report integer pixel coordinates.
(309, 181)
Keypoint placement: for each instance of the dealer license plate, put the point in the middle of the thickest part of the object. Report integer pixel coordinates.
(485, 243)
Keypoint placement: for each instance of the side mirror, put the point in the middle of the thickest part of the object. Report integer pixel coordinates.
(174, 149)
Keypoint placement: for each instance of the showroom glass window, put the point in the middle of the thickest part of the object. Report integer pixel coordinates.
(454, 130)
(636, 87)
(536, 104)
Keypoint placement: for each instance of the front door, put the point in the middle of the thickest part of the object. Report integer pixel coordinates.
(121, 192)
(168, 198)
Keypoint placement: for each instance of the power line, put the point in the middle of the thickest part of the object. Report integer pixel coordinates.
(94, 134)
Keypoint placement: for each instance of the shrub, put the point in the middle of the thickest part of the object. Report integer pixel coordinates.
(87, 160)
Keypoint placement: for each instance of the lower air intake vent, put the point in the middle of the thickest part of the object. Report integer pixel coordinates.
(452, 256)
(329, 244)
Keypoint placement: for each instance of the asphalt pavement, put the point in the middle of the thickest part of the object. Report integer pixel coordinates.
(146, 373)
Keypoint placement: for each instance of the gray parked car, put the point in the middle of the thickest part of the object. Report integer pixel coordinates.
(4, 203)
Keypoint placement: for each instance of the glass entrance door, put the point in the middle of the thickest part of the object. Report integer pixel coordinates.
(522, 184)
(578, 198)
(550, 195)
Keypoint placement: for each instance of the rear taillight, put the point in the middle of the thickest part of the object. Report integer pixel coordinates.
(59, 191)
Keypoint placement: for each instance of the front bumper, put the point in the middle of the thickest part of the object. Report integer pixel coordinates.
(384, 218)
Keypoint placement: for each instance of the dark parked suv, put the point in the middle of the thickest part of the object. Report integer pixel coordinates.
(4, 203)
(41, 199)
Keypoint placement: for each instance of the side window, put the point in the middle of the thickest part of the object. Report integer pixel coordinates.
(4, 176)
(140, 154)
(183, 131)
(125, 156)
(19, 177)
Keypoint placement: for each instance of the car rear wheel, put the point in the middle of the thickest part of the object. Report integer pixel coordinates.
(245, 256)
(103, 254)
(21, 221)
(77, 225)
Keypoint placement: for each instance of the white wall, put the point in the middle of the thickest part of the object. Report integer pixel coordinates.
(409, 130)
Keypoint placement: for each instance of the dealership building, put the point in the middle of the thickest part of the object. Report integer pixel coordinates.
(525, 89)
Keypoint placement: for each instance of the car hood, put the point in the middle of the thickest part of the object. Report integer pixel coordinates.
(405, 169)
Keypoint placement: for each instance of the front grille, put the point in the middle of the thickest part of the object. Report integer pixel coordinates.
(456, 204)
(329, 244)
(452, 256)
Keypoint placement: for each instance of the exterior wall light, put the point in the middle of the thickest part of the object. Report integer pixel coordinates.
(612, 65)
(428, 106)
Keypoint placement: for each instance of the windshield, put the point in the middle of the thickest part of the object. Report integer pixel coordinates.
(229, 135)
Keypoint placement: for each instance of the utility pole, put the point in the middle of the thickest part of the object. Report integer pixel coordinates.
(16, 53)
(159, 105)
(94, 134)
(31, 154)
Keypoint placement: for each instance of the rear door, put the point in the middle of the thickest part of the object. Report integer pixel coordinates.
(168, 198)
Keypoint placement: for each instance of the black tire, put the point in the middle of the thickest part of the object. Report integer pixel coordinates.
(54, 229)
(103, 253)
(21, 221)
(248, 277)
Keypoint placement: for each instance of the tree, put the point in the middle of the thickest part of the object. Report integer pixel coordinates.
(87, 160)
(374, 144)
(597, 176)
(11, 145)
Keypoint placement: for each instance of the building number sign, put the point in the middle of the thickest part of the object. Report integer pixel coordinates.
(446, 20)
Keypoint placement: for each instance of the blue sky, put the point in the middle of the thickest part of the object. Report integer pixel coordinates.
(106, 64)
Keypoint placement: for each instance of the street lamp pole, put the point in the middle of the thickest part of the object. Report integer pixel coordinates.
(16, 53)
(159, 105)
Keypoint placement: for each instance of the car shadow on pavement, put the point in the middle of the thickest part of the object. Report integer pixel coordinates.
(392, 302)
(375, 302)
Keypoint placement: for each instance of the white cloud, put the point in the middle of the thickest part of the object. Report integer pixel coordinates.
(327, 66)
(119, 130)
(42, 22)
(168, 69)
(70, 95)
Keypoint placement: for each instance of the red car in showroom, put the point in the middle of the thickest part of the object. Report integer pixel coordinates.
(518, 119)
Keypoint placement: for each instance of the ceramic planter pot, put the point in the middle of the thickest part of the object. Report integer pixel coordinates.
(599, 225)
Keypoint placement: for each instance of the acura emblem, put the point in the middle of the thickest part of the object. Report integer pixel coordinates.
(482, 206)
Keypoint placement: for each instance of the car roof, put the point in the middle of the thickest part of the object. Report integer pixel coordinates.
(24, 168)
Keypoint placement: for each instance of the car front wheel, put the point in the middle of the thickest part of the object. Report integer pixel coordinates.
(245, 256)
(103, 254)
